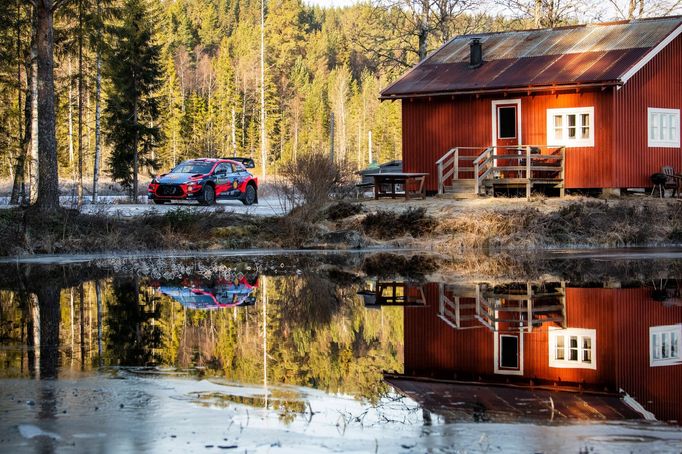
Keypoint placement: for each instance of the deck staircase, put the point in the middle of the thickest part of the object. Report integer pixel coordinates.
(468, 172)
(508, 308)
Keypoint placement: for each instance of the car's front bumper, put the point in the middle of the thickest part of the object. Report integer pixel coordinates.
(173, 192)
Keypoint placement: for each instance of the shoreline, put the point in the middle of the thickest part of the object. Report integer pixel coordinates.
(435, 225)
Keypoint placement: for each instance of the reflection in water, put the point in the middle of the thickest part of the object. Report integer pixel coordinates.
(231, 291)
(314, 330)
(393, 293)
(537, 351)
(566, 351)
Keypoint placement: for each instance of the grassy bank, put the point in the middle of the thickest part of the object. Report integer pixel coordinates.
(434, 225)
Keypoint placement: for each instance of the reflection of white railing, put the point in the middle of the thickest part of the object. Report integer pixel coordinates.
(503, 312)
(523, 165)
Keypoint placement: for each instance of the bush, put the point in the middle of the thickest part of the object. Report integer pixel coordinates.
(342, 210)
(388, 224)
(310, 180)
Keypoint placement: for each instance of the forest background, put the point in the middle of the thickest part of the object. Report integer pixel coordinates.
(271, 80)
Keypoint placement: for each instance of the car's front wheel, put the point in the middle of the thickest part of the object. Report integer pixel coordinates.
(208, 196)
(250, 195)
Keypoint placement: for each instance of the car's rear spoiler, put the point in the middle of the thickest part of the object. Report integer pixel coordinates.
(246, 162)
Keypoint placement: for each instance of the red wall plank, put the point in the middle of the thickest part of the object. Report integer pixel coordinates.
(658, 84)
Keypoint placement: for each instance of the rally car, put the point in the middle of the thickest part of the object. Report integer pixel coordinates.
(206, 180)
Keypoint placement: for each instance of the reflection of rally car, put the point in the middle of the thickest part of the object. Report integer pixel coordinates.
(206, 180)
(233, 292)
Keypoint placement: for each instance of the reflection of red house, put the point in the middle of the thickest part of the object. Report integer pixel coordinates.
(602, 91)
(621, 324)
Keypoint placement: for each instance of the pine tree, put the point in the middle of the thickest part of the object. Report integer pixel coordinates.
(134, 71)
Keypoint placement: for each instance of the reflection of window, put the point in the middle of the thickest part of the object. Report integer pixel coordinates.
(665, 343)
(572, 348)
(664, 127)
(572, 127)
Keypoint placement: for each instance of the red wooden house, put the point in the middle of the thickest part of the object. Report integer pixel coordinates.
(595, 341)
(591, 106)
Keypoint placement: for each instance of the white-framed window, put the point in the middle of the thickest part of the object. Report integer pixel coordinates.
(665, 344)
(572, 127)
(664, 127)
(573, 348)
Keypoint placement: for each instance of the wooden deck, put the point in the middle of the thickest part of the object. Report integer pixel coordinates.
(459, 401)
(467, 171)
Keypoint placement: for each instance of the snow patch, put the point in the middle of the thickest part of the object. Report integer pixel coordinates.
(30, 431)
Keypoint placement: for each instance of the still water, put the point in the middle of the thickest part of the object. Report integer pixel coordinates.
(314, 354)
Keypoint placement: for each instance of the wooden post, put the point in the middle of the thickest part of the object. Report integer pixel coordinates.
(562, 189)
(440, 178)
(476, 184)
(456, 165)
(528, 173)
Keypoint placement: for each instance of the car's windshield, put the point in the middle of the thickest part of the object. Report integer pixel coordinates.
(193, 167)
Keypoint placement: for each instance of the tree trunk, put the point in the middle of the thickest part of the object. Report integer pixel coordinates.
(48, 179)
(537, 13)
(80, 103)
(234, 133)
(423, 31)
(136, 156)
(18, 179)
(263, 135)
(98, 131)
(71, 146)
(33, 164)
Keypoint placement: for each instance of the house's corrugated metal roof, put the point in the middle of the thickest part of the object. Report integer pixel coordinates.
(584, 54)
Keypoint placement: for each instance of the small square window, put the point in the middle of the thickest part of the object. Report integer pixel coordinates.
(664, 127)
(664, 344)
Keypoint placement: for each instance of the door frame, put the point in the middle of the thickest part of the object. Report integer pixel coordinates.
(497, 349)
(519, 128)
(502, 102)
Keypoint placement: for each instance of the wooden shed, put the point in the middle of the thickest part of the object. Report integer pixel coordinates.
(590, 106)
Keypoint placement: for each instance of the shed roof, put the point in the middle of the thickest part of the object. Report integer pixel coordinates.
(599, 54)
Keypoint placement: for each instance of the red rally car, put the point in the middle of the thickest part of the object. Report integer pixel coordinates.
(206, 180)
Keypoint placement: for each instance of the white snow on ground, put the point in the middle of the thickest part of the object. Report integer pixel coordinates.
(116, 206)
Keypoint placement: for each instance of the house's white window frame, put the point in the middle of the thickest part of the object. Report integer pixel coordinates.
(660, 332)
(663, 122)
(566, 334)
(566, 140)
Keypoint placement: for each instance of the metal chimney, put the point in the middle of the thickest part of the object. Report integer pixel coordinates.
(475, 53)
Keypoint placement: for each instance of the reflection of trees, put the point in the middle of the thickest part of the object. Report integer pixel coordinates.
(319, 334)
(50, 317)
(327, 339)
(132, 335)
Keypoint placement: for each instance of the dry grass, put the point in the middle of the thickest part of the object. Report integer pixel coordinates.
(521, 227)
(23, 231)
(595, 223)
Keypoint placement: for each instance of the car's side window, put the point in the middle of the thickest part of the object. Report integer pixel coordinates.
(223, 168)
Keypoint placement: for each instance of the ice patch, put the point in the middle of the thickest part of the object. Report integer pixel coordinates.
(92, 435)
(30, 431)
